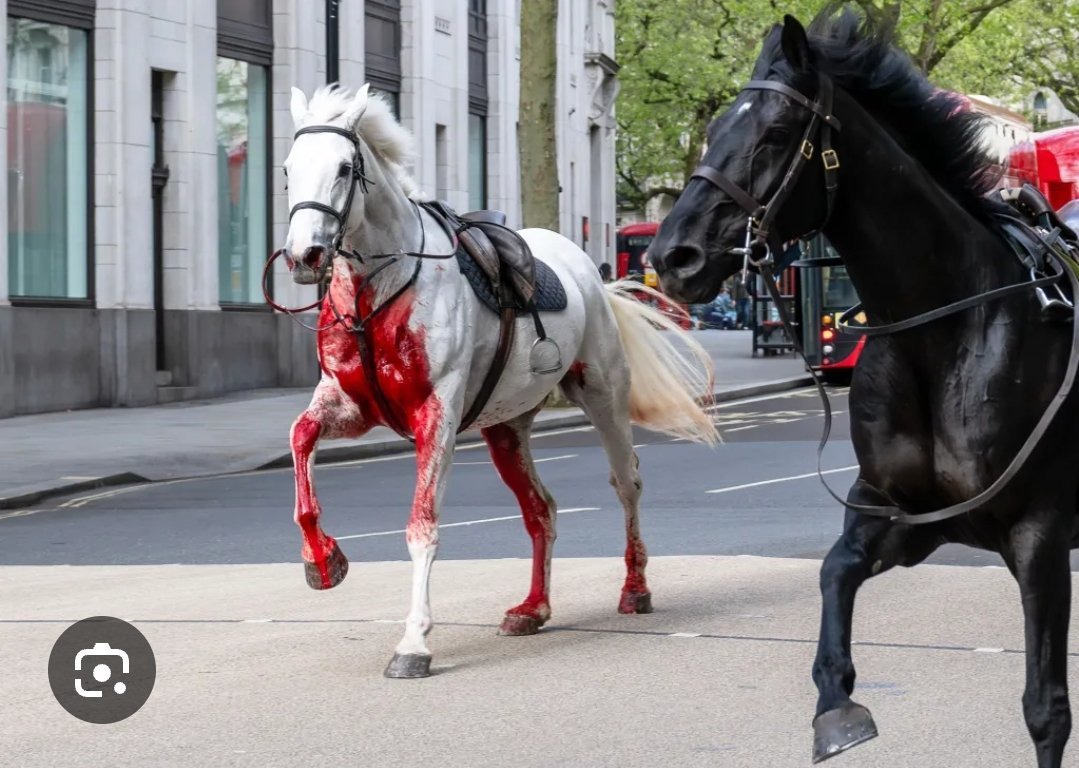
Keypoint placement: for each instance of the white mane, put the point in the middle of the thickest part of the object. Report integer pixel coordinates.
(377, 127)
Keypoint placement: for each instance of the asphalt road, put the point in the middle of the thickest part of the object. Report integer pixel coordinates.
(756, 494)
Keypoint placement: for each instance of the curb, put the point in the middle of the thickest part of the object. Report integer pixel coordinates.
(390, 447)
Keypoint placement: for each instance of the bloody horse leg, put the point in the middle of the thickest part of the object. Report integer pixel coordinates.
(325, 565)
(605, 400)
(1039, 560)
(867, 547)
(508, 444)
(435, 443)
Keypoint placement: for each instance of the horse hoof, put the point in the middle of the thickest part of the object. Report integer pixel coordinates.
(519, 626)
(330, 572)
(840, 729)
(408, 666)
(635, 602)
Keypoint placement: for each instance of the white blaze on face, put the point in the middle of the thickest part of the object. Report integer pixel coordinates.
(745, 107)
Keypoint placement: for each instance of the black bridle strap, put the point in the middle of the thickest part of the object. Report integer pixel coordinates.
(710, 174)
(894, 512)
(820, 108)
(945, 311)
(762, 215)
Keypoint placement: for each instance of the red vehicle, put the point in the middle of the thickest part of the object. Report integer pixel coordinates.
(631, 247)
(1049, 161)
(824, 293)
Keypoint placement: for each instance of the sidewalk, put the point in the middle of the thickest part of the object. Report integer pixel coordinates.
(51, 454)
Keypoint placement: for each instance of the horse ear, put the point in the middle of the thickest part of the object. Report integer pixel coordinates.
(358, 106)
(795, 43)
(298, 107)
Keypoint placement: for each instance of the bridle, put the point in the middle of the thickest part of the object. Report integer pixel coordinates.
(759, 226)
(357, 178)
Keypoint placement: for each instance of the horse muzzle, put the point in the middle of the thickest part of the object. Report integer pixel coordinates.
(312, 267)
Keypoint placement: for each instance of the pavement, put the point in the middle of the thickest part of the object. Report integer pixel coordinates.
(268, 673)
(46, 455)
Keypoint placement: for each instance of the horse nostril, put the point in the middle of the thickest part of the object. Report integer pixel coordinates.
(312, 257)
(684, 258)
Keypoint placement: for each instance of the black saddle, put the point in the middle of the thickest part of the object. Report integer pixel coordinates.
(499, 265)
(1035, 233)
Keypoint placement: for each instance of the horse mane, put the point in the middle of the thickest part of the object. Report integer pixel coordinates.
(377, 126)
(934, 126)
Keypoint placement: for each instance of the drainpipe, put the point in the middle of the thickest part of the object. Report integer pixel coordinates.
(332, 54)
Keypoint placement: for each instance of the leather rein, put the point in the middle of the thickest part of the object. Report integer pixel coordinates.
(356, 323)
(760, 236)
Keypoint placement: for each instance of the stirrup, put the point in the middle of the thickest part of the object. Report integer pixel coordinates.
(545, 356)
(1057, 309)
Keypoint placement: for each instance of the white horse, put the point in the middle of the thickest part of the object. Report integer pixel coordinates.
(429, 343)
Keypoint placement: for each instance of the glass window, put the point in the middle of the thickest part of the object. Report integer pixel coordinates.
(242, 179)
(477, 162)
(48, 182)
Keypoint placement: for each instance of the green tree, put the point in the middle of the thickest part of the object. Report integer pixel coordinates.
(682, 61)
(685, 60)
(930, 29)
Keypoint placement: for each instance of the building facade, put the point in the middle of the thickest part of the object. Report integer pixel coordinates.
(143, 178)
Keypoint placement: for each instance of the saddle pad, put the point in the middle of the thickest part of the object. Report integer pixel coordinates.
(550, 293)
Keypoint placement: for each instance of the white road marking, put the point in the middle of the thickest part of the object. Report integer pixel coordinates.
(555, 458)
(466, 522)
(739, 429)
(779, 395)
(989, 650)
(684, 634)
(534, 461)
(743, 486)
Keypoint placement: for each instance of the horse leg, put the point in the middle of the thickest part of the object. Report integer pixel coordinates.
(435, 444)
(605, 400)
(329, 415)
(508, 444)
(867, 547)
(1039, 558)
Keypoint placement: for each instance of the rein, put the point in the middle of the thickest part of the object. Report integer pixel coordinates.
(759, 234)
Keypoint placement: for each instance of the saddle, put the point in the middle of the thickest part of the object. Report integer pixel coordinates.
(509, 280)
(499, 264)
(1035, 233)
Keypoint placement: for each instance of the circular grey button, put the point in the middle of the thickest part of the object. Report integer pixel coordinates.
(102, 670)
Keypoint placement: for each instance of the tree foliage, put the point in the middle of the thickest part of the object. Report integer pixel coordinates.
(685, 60)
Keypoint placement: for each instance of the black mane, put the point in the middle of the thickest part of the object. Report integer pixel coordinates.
(932, 125)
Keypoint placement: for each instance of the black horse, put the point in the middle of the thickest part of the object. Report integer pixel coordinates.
(838, 132)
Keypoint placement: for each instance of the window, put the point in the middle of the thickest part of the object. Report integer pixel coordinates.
(242, 179)
(244, 57)
(49, 247)
(382, 40)
(477, 104)
(477, 162)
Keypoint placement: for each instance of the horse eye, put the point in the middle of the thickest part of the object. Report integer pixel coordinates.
(344, 170)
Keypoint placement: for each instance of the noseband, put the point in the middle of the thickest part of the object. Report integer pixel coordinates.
(761, 216)
(356, 178)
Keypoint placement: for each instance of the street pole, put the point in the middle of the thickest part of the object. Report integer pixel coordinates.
(332, 65)
(332, 55)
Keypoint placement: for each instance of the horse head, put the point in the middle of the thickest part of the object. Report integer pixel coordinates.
(762, 177)
(344, 171)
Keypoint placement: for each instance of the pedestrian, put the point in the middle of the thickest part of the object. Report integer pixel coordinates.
(605, 272)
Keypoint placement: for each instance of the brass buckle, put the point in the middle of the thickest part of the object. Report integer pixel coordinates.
(807, 149)
(830, 158)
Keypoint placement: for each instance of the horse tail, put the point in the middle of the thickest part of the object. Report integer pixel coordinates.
(671, 374)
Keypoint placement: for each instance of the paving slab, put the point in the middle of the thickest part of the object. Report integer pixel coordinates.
(254, 669)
